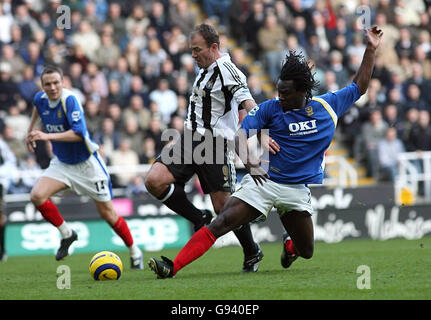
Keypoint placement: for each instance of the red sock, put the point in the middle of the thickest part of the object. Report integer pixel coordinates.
(290, 247)
(200, 243)
(123, 231)
(50, 212)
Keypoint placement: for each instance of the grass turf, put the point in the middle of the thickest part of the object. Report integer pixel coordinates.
(399, 269)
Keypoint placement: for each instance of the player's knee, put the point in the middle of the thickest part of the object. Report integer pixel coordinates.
(37, 197)
(151, 183)
(307, 252)
(220, 226)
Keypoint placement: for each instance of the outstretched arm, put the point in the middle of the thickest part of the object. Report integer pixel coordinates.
(363, 75)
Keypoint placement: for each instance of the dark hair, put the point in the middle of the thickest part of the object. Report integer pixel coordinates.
(208, 32)
(296, 68)
(51, 69)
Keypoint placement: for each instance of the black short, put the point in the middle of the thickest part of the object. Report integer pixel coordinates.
(184, 159)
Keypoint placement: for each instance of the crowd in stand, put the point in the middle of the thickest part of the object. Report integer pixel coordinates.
(130, 65)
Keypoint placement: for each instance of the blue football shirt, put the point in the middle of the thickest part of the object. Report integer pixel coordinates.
(63, 115)
(303, 135)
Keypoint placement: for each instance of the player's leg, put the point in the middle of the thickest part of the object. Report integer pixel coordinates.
(234, 214)
(3, 219)
(119, 225)
(44, 188)
(3, 255)
(300, 240)
(252, 251)
(166, 183)
(40, 195)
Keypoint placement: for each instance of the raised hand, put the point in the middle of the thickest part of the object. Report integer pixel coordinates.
(374, 36)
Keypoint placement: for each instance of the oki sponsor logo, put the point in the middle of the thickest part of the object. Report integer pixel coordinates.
(302, 126)
(55, 128)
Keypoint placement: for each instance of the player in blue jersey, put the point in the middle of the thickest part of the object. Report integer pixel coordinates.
(303, 127)
(76, 165)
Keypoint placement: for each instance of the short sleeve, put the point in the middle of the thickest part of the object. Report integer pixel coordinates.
(342, 99)
(75, 115)
(257, 118)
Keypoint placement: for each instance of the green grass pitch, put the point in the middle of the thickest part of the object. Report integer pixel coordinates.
(399, 269)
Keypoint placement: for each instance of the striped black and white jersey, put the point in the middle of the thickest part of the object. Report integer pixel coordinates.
(217, 93)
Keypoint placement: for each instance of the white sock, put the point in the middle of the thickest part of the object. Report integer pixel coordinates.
(65, 231)
(134, 251)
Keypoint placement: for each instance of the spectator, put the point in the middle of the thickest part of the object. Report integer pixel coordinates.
(6, 21)
(404, 46)
(115, 96)
(137, 87)
(25, 21)
(410, 121)
(16, 145)
(131, 54)
(9, 93)
(180, 15)
(136, 187)
(424, 84)
(132, 133)
(166, 99)
(30, 172)
(28, 87)
(122, 75)
(107, 136)
(115, 113)
(108, 52)
(151, 59)
(92, 117)
(421, 57)
(118, 22)
(372, 132)
(16, 62)
(420, 134)
(16, 119)
(217, 10)
(137, 110)
(78, 57)
(137, 21)
(155, 132)
(93, 73)
(391, 116)
(414, 98)
(159, 19)
(388, 149)
(33, 56)
(336, 66)
(254, 21)
(125, 157)
(255, 88)
(149, 154)
(271, 38)
(87, 39)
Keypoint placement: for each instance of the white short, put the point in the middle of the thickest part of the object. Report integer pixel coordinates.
(89, 177)
(284, 197)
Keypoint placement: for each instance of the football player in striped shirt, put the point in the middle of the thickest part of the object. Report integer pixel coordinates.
(303, 127)
(76, 165)
(219, 91)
